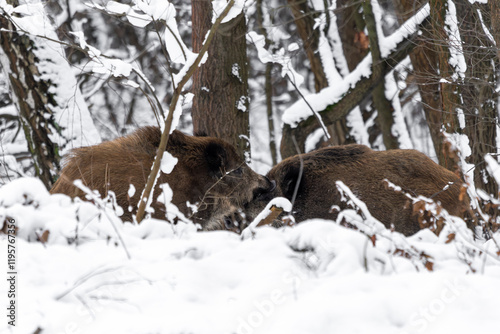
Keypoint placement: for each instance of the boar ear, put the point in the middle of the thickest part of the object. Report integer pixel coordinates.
(177, 143)
(290, 179)
(177, 138)
(216, 157)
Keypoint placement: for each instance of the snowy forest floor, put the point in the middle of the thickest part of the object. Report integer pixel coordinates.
(97, 275)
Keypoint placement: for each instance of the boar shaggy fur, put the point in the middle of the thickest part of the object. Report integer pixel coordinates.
(208, 173)
(363, 171)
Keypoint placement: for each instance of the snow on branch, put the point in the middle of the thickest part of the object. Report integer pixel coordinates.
(457, 58)
(143, 12)
(389, 44)
(389, 48)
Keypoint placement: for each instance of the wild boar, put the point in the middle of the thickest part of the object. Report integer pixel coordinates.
(209, 175)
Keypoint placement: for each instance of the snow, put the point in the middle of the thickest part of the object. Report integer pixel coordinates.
(399, 129)
(168, 162)
(388, 43)
(315, 277)
(457, 58)
(493, 167)
(281, 57)
(299, 111)
(143, 12)
(220, 5)
(241, 104)
(485, 28)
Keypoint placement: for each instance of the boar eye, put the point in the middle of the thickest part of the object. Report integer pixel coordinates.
(237, 171)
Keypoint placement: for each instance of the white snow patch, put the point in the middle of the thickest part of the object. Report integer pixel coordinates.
(241, 104)
(131, 190)
(270, 283)
(457, 58)
(235, 70)
(168, 162)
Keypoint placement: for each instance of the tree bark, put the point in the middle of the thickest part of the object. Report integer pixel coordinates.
(221, 104)
(33, 99)
(495, 23)
(351, 30)
(424, 61)
(449, 87)
(304, 20)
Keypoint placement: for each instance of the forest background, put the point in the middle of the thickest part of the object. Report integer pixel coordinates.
(387, 74)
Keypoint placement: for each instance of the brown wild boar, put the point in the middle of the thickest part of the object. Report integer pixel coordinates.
(363, 171)
(209, 173)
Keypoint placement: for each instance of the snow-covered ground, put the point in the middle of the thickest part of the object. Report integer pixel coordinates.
(96, 275)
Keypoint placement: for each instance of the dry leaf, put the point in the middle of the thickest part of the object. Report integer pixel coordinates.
(450, 238)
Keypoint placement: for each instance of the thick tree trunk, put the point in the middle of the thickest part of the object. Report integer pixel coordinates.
(449, 87)
(33, 98)
(351, 26)
(221, 103)
(424, 61)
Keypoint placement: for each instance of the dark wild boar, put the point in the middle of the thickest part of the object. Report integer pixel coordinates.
(209, 173)
(363, 171)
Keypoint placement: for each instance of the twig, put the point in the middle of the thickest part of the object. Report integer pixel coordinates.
(275, 212)
(315, 113)
(301, 171)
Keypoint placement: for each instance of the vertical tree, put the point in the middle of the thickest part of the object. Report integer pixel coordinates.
(268, 85)
(450, 77)
(45, 98)
(424, 61)
(221, 103)
(479, 101)
(305, 18)
(385, 118)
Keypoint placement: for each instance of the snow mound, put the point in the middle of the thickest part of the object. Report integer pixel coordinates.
(315, 277)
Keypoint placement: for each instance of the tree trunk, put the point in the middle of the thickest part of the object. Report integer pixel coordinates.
(268, 86)
(424, 61)
(51, 107)
(221, 103)
(385, 118)
(33, 100)
(495, 23)
(351, 26)
(449, 85)
(478, 91)
(304, 18)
